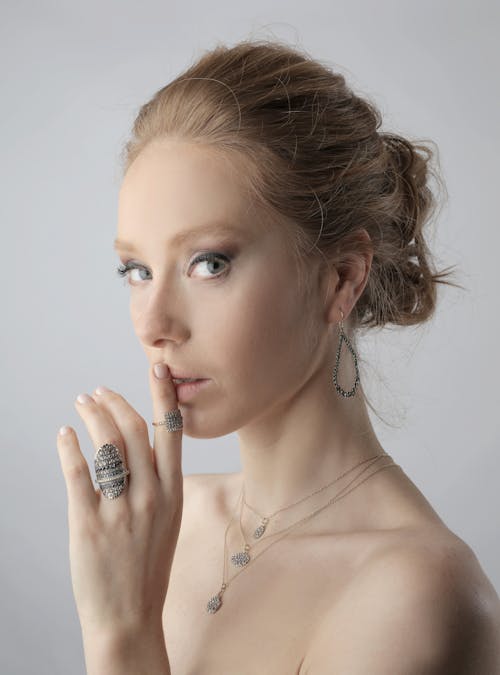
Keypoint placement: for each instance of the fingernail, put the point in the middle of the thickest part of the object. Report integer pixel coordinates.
(160, 370)
(83, 398)
(101, 389)
(64, 430)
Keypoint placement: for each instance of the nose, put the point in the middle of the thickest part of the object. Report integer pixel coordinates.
(158, 317)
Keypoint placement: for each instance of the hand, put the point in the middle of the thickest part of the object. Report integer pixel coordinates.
(121, 549)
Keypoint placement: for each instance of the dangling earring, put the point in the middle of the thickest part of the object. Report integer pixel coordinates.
(343, 336)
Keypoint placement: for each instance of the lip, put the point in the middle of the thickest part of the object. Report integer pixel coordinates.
(186, 390)
(184, 375)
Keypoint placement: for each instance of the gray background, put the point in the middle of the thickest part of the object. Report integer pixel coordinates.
(73, 77)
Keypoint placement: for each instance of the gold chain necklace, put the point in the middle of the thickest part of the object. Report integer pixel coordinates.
(215, 602)
(243, 557)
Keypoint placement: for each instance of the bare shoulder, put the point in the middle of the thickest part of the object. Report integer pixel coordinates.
(422, 606)
(192, 482)
(193, 485)
(203, 490)
(196, 482)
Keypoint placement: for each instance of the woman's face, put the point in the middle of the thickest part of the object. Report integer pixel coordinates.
(236, 318)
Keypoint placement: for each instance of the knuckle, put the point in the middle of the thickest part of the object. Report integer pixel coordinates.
(90, 409)
(108, 398)
(77, 472)
(148, 502)
(111, 395)
(135, 424)
(121, 517)
(116, 399)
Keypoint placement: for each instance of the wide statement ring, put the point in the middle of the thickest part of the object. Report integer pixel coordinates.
(111, 474)
(172, 421)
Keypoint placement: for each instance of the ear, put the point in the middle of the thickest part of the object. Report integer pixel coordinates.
(347, 280)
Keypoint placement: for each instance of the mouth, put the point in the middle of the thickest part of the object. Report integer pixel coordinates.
(186, 390)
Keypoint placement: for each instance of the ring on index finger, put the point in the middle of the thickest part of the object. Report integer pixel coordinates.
(172, 420)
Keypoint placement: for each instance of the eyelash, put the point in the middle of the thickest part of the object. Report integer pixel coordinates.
(209, 256)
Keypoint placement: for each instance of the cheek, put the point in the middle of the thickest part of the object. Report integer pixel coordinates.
(263, 329)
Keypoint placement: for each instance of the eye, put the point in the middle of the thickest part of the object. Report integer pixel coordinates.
(212, 258)
(123, 270)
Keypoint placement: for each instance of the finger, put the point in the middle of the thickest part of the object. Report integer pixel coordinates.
(82, 497)
(118, 423)
(167, 445)
(134, 431)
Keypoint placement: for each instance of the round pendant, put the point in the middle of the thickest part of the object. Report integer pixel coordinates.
(214, 603)
(240, 559)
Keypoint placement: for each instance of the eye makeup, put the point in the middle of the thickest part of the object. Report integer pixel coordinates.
(210, 257)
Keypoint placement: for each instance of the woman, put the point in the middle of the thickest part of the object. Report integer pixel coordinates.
(263, 221)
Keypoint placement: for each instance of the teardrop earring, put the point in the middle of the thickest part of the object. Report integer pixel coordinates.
(343, 336)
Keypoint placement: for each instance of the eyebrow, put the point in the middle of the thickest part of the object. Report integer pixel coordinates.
(187, 235)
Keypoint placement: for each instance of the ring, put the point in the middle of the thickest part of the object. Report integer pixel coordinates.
(172, 421)
(111, 474)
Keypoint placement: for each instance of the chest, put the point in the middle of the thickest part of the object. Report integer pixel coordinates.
(269, 610)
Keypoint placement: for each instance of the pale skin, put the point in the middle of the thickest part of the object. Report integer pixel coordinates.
(268, 352)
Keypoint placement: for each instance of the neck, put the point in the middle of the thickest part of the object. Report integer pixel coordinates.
(303, 443)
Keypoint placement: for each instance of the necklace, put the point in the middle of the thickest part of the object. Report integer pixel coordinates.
(215, 602)
(243, 557)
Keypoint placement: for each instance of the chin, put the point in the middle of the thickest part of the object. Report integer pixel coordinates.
(201, 424)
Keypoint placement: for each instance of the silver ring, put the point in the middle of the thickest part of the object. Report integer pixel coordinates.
(111, 474)
(172, 421)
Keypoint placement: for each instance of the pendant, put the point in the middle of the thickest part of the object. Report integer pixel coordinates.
(214, 603)
(240, 559)
(261, 529)
(259, 532)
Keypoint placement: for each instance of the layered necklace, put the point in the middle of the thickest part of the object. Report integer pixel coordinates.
(242, 559)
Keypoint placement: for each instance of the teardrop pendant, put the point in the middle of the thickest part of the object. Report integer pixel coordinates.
(259, 532)
(214, 603)
(261, 529)
(339, 389)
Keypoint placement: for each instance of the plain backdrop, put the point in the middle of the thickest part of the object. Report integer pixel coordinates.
(73, 78)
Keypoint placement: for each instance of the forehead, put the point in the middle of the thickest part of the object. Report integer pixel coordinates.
(187, 177)
(183, 189)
